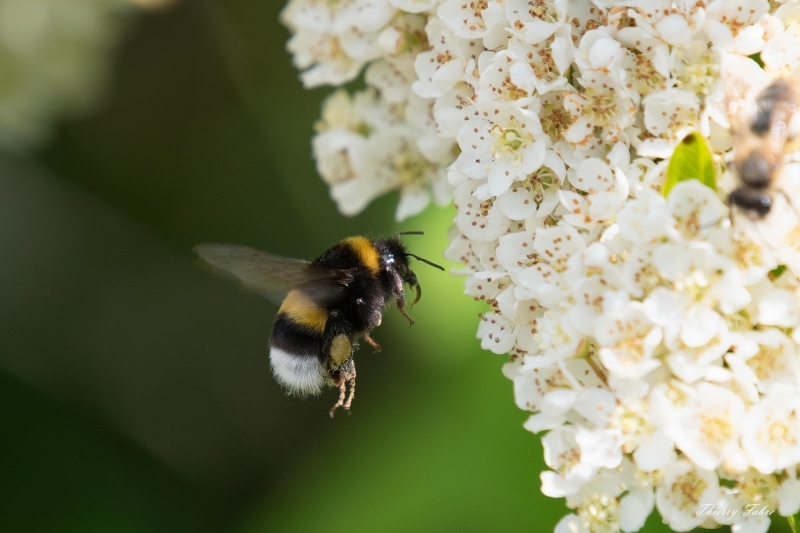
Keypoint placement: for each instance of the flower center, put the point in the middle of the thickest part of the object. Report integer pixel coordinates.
(765, 362)
(717, 429)
(600, 514)
(602, 106)
(555, 119)
(509, 141)
(689, 489)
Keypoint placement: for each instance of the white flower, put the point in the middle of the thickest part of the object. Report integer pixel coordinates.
(548, 60)
(772, 439)
(562, 454)
(501, 146)
(571, 524)
(333, 41)
(605, 192)
(684, 489)
(707, 429)
(628, 339)
(55, 56)
(645, 219)
(449, 61)
(466, 19)
(673, 22)
(537, 195)
(733, 25)
(634, 508)
(480, 220)
(506, 78)
(769, 356)
(695, 67)
(602, 105)
(654, 340)
(543, 279)
(781, 54)
(669, 115)
(650, 68)
(536, 22)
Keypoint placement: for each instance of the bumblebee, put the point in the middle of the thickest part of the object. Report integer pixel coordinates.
(326, 305)
(759, 143)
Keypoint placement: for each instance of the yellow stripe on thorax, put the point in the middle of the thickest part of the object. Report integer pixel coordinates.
(301, 310)
(365, 251)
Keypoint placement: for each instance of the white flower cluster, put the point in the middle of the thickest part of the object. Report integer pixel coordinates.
(655, 343)
(384, 137)
(54, 60)
(655, 346)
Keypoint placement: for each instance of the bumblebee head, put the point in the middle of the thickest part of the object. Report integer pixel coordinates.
(397, 257)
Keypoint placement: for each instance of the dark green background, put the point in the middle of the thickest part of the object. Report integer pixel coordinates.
(136, 389)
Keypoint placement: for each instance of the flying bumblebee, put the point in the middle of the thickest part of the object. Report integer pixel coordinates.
(760, 138)
(326, 305)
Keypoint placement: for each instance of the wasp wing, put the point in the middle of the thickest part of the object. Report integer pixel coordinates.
(273, 276)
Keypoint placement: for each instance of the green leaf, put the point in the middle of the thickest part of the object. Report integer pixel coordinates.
(792, 524)
(690, 160)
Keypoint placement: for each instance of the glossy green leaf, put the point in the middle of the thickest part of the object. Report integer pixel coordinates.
(690, 160)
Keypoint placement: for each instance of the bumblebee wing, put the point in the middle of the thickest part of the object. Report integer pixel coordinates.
(272, 275)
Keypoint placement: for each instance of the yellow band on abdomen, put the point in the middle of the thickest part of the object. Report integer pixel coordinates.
(301, 310)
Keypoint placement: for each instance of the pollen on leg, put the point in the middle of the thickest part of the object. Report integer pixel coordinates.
(342, 391)
(352, 394)
(340, 350)
(345, 374)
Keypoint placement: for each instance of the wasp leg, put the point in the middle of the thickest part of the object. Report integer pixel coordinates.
(371, 342)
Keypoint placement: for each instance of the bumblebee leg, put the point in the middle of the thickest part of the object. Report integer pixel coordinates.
(347, 374)
(346, 405)
(401, 305)
(371, 342)
(340, 403)
(401, 294)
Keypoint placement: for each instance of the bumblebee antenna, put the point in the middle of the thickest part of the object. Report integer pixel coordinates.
(431, 263)
(409, 233)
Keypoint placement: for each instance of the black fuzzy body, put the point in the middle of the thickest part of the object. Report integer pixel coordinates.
(350, 283)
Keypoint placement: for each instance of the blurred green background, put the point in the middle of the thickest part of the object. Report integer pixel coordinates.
(136, 387)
